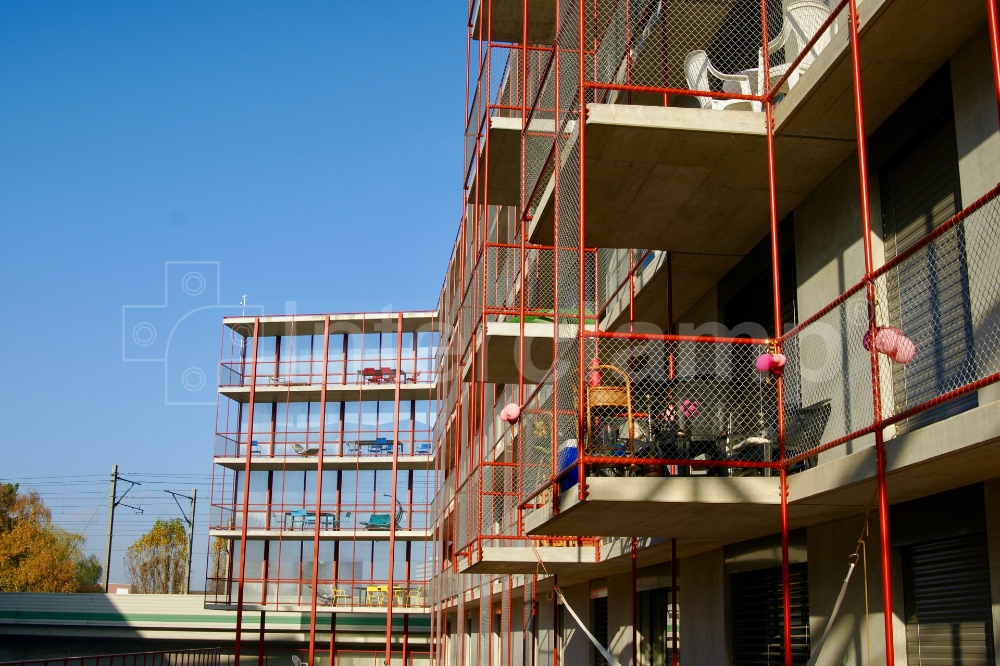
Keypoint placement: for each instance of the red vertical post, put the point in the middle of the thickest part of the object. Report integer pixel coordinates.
(333, 636)
(260, 646)
(319, 491)
(392, 511)
(582, 271)
(883, 503)
(673, 601)
(994, 24)
(776, 296)
(635, 607)
(246, 493)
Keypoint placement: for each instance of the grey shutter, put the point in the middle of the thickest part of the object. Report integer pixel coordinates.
(919, 191)
(758, 622)
(948, 608)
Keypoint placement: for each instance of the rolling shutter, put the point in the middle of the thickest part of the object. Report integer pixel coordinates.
(758, 623)
(919, 191)
(948, 608)
(599, 611)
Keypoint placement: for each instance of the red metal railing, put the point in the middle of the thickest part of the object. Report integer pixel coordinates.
(197, 657)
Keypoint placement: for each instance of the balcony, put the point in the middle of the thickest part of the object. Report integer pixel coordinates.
(680, 435)
(337, 522)
(339, 596)
(507, 21)
(695, 179)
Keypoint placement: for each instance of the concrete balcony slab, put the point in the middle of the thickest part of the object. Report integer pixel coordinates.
(903, 42)
(339, 323)
(507, 21)
(334, 392)
(503, 353)
(508, 560)
(330, 462)
(257, 534)
(504, 178)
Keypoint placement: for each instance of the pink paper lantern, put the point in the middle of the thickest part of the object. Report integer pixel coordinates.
(905, 350)
(887, 339)
(689, 408)
(765, 362)
(510, 413)
(778, 364)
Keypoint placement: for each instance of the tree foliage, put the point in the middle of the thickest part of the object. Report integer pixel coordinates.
(37, 556)
(157, 561)
(219, 568)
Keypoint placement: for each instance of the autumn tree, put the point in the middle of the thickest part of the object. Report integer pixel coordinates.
(157, 561)
(37, 556)
(219, 568)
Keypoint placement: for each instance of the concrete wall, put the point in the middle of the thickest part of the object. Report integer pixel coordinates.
(545, 632)
(620, 618)
(702, 608)
(830, 546)
(829, 256)
(575, 644)
(978, 137)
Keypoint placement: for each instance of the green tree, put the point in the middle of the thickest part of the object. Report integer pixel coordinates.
(157, 561)
(37, 556)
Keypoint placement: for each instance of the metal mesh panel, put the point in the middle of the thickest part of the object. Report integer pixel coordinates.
(945, 297)
(536, 438)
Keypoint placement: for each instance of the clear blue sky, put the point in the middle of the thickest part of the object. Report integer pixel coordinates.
(313, 150)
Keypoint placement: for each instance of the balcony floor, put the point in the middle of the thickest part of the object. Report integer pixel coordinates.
(334, 392)
(509, 560)
(330, 462)
(257, 534)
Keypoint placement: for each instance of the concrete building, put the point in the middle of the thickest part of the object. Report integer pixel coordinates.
(331, 419)
(720, 327)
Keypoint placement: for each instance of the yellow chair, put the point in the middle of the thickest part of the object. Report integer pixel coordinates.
(377, 595)
(611, 396)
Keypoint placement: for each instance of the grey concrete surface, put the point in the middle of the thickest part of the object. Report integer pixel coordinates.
(702, 608)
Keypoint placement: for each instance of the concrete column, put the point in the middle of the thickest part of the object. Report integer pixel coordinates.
(517, 631)
(702, 608)
(545, 632)
(830, 546)
(977, 132)
(992, 496)
(576, 645)
(620, 618)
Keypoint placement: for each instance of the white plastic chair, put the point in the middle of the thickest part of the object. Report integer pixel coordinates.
(801, 21)
(697, 68)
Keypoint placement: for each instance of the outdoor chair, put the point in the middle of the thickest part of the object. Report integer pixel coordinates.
(382, 521)
(804, 428)
(802, 19)
(698, 68)
(302, 451)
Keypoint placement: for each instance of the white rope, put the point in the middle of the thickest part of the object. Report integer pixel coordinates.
(833, 615)
(600, 648)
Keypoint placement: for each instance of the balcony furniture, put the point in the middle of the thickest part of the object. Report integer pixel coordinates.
(804, 428)
(382, 521)
(802, 19)
(380, 375)
(423, 449)
(254, 447)
(378, 446)
(335, 598)
(327, 521)
(698, 68)
(610, 401)
(302, 451)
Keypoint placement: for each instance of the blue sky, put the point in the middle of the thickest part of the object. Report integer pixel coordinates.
(310, 153)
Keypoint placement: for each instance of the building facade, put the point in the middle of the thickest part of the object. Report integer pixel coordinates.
(337, 414)
(719, 331)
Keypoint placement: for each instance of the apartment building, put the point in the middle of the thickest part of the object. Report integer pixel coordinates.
(331, 419)
(719, 333)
